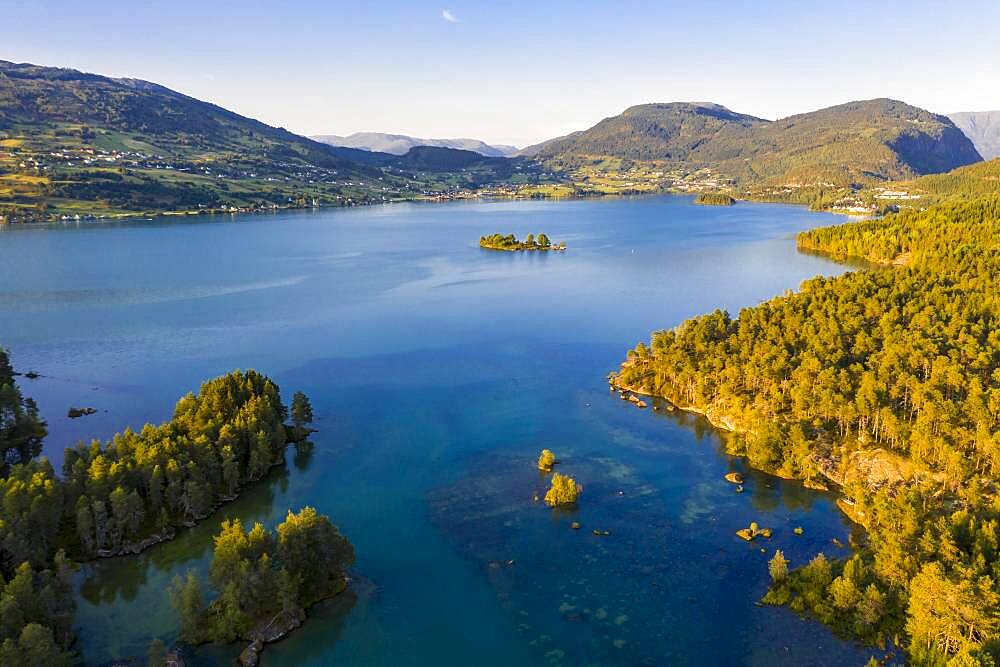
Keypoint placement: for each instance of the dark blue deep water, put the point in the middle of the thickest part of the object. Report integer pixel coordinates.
(438, 371)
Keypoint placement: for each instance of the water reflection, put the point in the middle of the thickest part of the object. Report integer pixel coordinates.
(303, 454)
(113, 588)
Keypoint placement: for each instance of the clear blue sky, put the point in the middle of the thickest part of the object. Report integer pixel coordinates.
(519, 72)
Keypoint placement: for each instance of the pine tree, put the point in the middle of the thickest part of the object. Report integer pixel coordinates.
(85, 525)
(156, 654)
(778, 567)
(185, 595)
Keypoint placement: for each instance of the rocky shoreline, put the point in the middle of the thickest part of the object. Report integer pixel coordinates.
(281, 625)
(136, 548)
(827, 468)
(293, 436)
(873, 467)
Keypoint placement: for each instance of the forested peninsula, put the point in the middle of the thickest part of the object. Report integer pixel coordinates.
(126, 494)
(886, 382)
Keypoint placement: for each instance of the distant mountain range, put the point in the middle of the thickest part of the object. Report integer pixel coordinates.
(73, 143)
(61, 104)
(983, 128)
(535, 149)
(856, 142)
(399, 144)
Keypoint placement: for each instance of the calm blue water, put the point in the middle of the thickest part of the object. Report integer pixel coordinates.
(437, 372)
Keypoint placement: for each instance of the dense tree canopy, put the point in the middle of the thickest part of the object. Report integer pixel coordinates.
(887, 380)
(115, 495)
(511, 242)
(36, 603)
(258, 574)
(564, 491)
(36, 613)
(21, 429)
(140, 484)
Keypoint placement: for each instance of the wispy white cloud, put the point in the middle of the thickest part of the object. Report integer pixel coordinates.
(449, 16)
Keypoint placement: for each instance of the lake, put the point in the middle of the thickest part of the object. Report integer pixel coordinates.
(438, 371)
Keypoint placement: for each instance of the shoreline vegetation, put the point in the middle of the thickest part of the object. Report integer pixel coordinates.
(510, 243)
(125, 495)
(878, 200)
(715, 199)
(234, 426)
(564, 192)
(263, 581)
(884, 382)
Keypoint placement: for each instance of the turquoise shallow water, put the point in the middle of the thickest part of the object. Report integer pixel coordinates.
(437, 372)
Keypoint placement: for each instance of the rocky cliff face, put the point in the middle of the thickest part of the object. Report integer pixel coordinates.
(982, 128)
(935, 152)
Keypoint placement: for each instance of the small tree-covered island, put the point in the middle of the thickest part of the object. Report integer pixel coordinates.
(511, 243)
(125, 495)
(263, 581)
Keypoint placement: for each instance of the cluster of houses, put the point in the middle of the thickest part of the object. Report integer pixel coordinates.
(885, 193)
(702, 180)
(95, 157)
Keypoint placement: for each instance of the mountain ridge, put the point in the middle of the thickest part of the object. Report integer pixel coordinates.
(855, 142)
(399, 144)
(982, 128)
(80, 144)
(76, 144)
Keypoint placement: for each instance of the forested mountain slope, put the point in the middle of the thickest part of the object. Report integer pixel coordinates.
(857, 142)
(60, 105)
(975, 180)
(74, 144)
(674, 131)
